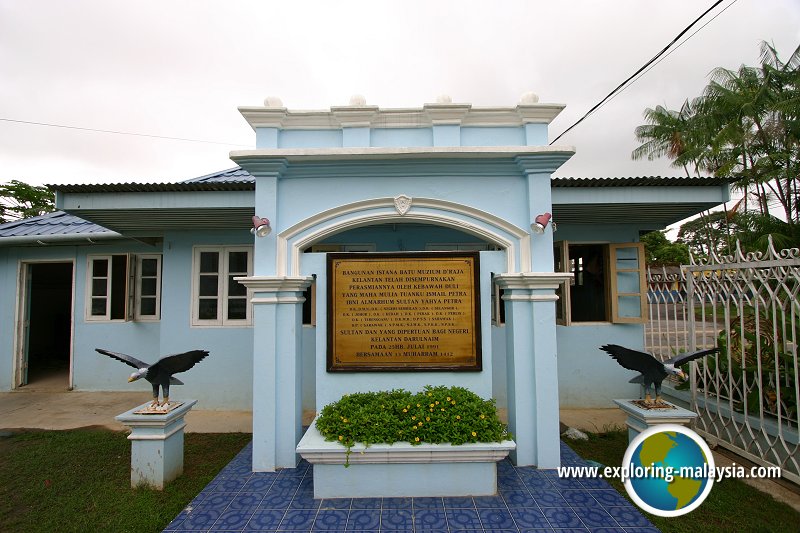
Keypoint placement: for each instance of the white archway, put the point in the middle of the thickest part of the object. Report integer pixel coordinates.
(402, 209)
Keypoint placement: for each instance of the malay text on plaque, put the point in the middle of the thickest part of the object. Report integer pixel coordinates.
(407, 311)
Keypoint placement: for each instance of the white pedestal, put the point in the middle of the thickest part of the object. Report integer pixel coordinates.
(156, 444)
(400, 469)
(640, 419)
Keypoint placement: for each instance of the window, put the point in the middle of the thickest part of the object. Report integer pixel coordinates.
(608, 283)
(498, 305)
(218, 299)
(148, 288)
(124, 287)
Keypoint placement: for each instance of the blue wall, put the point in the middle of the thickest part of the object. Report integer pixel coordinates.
(588, 377)
(231, 348)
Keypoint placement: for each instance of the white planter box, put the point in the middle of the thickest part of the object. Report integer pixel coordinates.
(400, 469)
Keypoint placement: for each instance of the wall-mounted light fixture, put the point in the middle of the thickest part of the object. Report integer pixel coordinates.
(541, 222)
(260, 227)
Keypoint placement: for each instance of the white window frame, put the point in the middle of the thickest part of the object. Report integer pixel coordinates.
(132, 289)
(611, 273)
(222, 287)
(90, 278)
(138, 285)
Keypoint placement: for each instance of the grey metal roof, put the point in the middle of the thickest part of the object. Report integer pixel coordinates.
(56, 223)
(643, 181)
(156, 187)
(233, 179)
(232, 175)
(238, 179)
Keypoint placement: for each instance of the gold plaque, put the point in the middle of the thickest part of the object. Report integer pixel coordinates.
(404, 311)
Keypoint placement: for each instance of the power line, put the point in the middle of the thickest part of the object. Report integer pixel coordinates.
(651, 67)
(641, 69)
(115, 132)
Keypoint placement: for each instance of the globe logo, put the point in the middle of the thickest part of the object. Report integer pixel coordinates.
(670, 470)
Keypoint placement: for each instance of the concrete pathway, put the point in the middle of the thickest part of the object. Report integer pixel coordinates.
(32, 409)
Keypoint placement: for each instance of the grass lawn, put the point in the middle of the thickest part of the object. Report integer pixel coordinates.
(731, 505)
(79, 480)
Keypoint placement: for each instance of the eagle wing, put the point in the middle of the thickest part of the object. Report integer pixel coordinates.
(179, 362)
(127, 359)
(633, 359)
(682, 359)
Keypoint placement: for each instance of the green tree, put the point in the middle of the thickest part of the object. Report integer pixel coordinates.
(20, 200)
(660, 251)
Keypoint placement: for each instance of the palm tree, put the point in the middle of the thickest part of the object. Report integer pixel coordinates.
(746, 125)
(663, 135)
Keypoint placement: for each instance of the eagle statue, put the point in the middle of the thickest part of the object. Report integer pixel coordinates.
(652, 371)
(160, 373)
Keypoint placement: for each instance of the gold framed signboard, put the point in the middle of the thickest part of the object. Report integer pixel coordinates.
(417, 311)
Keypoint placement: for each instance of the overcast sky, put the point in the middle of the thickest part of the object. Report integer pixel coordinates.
(181, 68)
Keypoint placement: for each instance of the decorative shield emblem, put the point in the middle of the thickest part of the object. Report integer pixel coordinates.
(402, 203)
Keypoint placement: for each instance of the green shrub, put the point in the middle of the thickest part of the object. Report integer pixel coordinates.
(435, 415)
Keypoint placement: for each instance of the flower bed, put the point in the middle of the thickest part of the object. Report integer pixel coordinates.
(436, 415)
(440, 442)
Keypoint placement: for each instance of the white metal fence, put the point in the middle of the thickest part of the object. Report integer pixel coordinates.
(747, 396)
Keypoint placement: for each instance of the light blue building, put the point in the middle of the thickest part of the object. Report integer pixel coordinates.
(152, 269)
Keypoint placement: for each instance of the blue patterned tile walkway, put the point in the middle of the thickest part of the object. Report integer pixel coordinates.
(529, 500)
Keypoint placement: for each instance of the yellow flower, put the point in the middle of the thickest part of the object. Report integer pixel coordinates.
(340, 437)
(474, 434)
(419, 423)
(442, 409)
(430, 394)
(416, 439)
(413, 427)
(431, 405)
(418, 405)
(431, 410)
(483, 416)
(405, 410)
(427, 419)
(345, 421)
(413, 418)
(453, 402)
(448, 398)
(437, 403)
(458, 417)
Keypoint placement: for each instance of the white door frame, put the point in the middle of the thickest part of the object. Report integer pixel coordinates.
(21, 307)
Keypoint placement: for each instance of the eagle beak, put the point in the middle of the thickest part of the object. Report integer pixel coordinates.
(130, 379)
(683, 375)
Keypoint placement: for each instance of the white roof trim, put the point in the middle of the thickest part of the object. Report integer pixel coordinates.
(425, 117)
(366, 153)
(59, 238)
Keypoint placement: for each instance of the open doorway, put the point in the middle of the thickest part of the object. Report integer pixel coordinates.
(45, 333)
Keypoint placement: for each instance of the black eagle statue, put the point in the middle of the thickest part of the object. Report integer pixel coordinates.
(652, 371)
(161, 372)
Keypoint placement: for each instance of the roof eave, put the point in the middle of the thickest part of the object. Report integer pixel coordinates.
(61, 239)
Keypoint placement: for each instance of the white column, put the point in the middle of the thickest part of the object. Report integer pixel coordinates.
(532, 368)
(277, 369)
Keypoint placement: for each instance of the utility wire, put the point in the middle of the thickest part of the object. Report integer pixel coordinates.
(641, 69)
(651, 67)
(115, 132)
